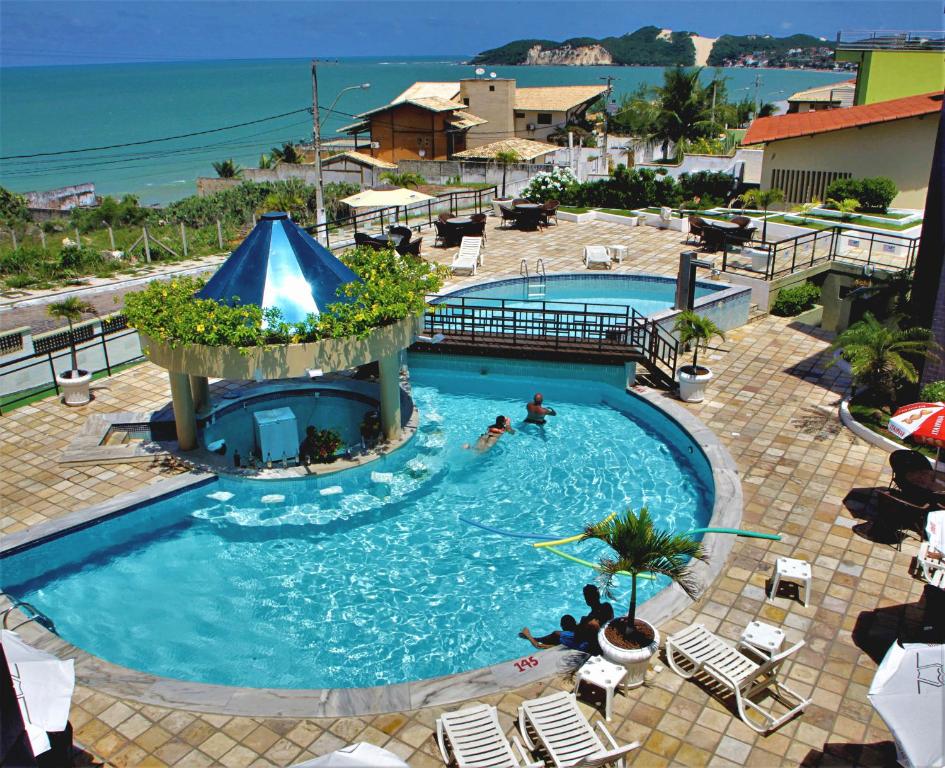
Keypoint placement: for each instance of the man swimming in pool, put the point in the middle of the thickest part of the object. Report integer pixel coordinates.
(537, 411)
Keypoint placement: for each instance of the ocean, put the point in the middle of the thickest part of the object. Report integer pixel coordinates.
(49, 109)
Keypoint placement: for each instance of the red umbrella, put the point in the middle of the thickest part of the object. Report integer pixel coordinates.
(923, 422)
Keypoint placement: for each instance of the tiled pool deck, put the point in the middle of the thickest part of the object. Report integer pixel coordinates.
(773, 405)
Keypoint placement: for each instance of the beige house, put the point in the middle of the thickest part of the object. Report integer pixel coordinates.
(446, 118)
(804, 152)
(356, 168)
(830, 96)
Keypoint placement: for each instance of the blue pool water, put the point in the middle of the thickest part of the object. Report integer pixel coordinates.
(382, 583)
(601, 293)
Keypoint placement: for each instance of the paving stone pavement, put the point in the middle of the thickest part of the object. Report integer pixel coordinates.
(773, 404)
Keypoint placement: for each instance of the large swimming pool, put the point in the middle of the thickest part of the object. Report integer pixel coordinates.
(378, 574)
(599, 292)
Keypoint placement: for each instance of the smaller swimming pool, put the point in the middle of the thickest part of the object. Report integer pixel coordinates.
(647, 294)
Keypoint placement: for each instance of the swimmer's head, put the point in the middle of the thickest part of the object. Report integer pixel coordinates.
(538, 398)
(568, 623)
(500, 421)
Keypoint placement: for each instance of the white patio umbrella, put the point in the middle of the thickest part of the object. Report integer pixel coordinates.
(360, 755)
(43, 685)
(908, 691)
(395, 197)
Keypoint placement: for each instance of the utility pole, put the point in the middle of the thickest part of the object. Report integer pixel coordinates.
(603, 155)
(713, 101)
(317, 145)
(757, 86)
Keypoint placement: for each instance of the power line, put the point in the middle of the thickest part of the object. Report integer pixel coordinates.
(154, 141)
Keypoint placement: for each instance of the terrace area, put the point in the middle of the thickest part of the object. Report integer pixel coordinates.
(773, 404)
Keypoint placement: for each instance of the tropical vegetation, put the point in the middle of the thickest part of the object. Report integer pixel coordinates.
(883, 357)
(762, 199)
(731, 47)
(13, 208)
(391, 288)
(795, 299)
(639, 547)
(874, 195)
(933, 392)
(408, 180)
(695, 331)
(287, 153)
(227, 169)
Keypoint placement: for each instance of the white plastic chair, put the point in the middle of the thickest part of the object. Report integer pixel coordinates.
(566, 735)
(734, 670)
(933, 569)
(469, 256)
(473, 738)
(596, 255)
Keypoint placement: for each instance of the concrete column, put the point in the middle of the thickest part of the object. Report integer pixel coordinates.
(390, 395)
(200, 389)
(184, 416)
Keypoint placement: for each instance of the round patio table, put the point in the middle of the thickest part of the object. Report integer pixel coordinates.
(927, 480)
(527, 206)
(459, 220)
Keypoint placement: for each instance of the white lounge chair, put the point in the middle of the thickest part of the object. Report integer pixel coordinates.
(469, 256)
(596, 255)
(565, 734)
(743, 676)
(473, 737)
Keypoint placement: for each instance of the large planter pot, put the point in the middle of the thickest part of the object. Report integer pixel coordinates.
(635, 661)
(74, 386)
(692, 383)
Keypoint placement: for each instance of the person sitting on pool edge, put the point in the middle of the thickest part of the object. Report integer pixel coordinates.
(537, 411)
(600, 613)
(308, 447)
(570, 636)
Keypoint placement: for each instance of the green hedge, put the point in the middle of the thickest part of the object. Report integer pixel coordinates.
(873, 194)
(796, 299)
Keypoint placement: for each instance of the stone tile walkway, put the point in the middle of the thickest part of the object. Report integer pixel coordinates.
(772, 403)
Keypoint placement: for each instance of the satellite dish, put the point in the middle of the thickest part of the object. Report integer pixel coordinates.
(480, 71)
(492, 74)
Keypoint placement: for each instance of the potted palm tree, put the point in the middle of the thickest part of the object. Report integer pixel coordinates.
(74, 383)
(756, 198)
(697, 331)
(640, 548)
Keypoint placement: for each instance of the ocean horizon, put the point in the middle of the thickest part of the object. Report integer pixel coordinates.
(46, 109)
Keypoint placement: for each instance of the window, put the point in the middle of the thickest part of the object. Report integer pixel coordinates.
(466, 101)
(491, 87)
(802, 185)
(544, 118)
(520, 115)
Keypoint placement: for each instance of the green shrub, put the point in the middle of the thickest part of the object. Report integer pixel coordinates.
(874, 194)
(933, 392)
(796, 299)
(13, 208)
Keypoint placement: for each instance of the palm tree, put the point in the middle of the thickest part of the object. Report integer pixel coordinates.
(227, 169)
(288, 196)
(409, 180)
(847, 207)
(641, 548)
(505, 158)
(757, 198)
(804, 209)
(696, 330)
(71, 310)
(265, 161)
(287, 153)
(879, 355)
(684, 108)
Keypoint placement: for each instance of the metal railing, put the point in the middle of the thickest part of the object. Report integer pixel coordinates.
(340, 232)
(46, 358)
(876, 250)
(556, 325)
(891, 40)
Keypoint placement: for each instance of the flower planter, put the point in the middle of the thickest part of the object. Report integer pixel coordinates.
(692, 383)
(635, 661)
(74, 386)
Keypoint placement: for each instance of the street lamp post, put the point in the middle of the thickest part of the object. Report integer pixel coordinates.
(317, 142)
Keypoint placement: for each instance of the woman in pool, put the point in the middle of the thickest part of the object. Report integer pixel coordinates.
(492, 434)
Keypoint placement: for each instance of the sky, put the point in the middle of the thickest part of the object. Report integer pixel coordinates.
(39, 32)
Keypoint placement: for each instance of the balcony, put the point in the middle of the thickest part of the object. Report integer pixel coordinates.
(890, 40)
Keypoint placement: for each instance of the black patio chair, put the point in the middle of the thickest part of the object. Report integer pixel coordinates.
(508, 214)
(895, 515)
(529, 219)
(413, 248)
(400, 229)
(478, 227)
(363, 238)
(445, 233)
(696, 230)
(550, 211)
(902, 462)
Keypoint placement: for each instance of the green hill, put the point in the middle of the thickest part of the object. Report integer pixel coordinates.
(731, 47)
(641, 48)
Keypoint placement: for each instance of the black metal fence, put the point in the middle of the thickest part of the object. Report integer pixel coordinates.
(554, 325)
(340, 232)
(885, 250)
(39, 367)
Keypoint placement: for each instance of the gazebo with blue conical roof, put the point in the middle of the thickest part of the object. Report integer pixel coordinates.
(279, 265)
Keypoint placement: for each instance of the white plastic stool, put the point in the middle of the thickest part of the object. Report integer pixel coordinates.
(763, 637)
(796, 571)
(600, 673)
(617, 252)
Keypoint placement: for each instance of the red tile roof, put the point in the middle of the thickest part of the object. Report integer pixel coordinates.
(766, 129)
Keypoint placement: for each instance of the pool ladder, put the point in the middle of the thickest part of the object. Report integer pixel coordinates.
(534, 284)
(31, 613)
